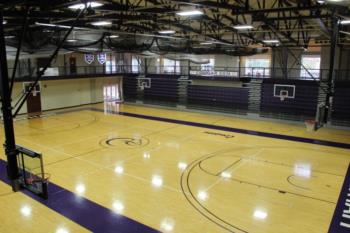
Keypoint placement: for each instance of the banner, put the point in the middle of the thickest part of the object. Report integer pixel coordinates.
(101, 58)
(89, 58)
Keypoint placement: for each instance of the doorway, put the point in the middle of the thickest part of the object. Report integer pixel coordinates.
(34, 99)
(113, 92)
(72, 65)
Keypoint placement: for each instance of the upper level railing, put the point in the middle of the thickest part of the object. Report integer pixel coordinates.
(77, 71)
(195, 70)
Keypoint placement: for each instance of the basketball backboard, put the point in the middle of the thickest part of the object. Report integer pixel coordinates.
(31, 169)
(283, 91)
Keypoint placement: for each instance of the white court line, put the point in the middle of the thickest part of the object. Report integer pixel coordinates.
(111, 167)
(153, 149)
(241, 163)
(98, 136)
(99, 167)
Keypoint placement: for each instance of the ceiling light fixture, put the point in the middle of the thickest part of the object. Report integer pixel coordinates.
(113, 36)
(71, 40)
(271, 41)
(243, 27)
(101, 23)
(52, 25)
(166, 32)
(82, 5)
(4, 22)
(344, 22)
(190, 13)
(206, 43)
(57, 26)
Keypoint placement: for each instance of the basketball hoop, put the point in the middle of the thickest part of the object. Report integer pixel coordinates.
(283, 91)
(310, 125)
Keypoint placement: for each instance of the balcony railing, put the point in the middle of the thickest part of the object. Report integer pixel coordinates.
(204, 71)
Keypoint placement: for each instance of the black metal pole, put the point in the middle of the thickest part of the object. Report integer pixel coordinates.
(19, 47)
(330, 82)
(189, 68)
(146, 67)
(10, 144)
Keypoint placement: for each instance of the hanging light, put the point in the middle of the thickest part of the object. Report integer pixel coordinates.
(101, 23)
(82, 5)
(190, 13)
(166, 32)
(243, 27)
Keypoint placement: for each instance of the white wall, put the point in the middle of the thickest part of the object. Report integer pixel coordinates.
(67, 93)
(226, 61)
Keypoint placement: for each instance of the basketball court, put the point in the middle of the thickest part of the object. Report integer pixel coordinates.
(182, 178)
(111, 125)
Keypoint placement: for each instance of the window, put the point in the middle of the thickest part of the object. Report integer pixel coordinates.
(208, 66)
(312, 63)
(110, 64)
(171, 66)
(259, 67)
(135, 65)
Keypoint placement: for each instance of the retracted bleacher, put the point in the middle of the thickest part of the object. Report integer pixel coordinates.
(219, 98)
(302, 107)
(163, 90)
(341, 107)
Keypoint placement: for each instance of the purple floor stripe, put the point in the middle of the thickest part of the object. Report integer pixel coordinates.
(82, 211)
(341, 218)
(234, 130)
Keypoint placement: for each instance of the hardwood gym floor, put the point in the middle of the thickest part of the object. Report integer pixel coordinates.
(142, 169)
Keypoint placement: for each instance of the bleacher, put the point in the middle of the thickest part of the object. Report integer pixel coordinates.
(163, 89)
(341, 104)
(228, 99)
(130, 88)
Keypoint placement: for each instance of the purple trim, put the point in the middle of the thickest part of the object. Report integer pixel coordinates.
(338, 219)
(82, 211)
(235, 130)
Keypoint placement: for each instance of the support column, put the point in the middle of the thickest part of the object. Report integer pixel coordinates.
(189, 68)
(146, 67)
(330, 81)
(10, 144)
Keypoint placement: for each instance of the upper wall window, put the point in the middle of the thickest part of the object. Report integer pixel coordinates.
(171, 66)
(259, 67)
(111, 64)
(208, 66)
(312, 63)
(135, 65)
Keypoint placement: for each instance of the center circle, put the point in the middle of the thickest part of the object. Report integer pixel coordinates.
(129, 142)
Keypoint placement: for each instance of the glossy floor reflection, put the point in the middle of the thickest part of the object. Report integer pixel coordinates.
(180, 178)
